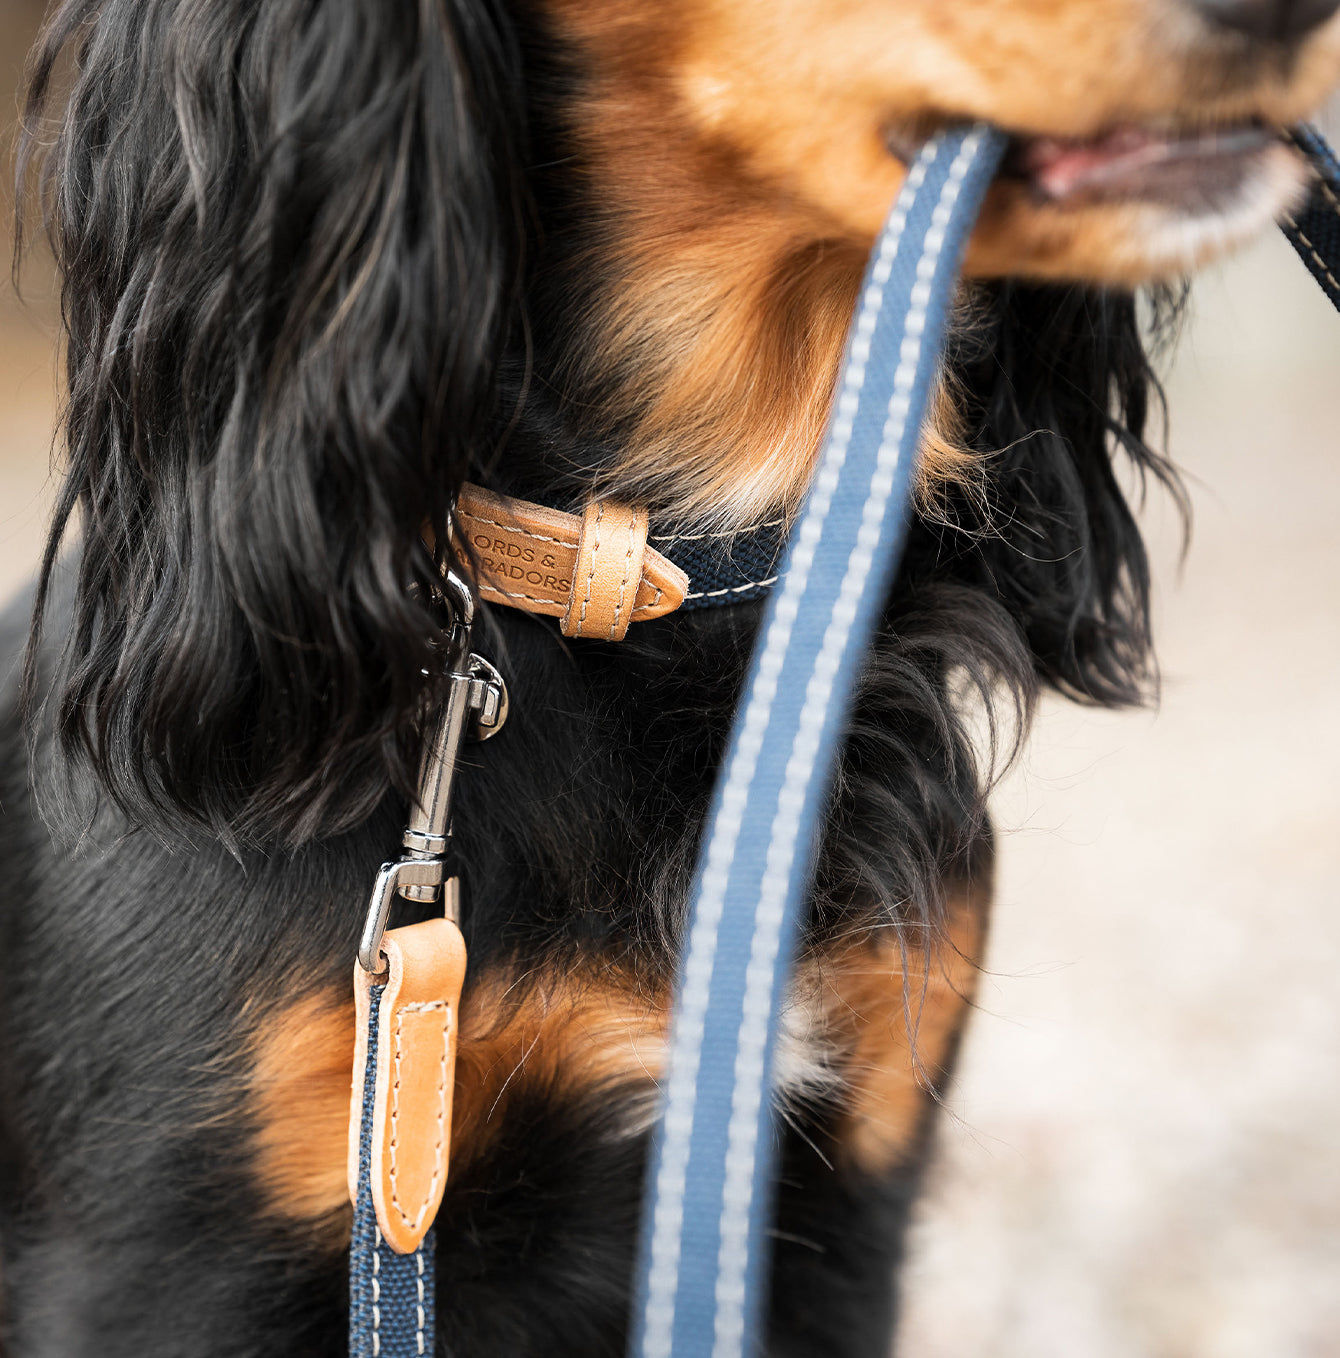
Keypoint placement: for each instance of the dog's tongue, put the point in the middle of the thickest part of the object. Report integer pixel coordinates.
(1130, 160)
(1060, 167)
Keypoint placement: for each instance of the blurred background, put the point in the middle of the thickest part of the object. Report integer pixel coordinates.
(27, 340)
(1141, 1157)
(1142, 1153)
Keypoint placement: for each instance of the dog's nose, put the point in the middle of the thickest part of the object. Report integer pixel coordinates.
(1270, 20)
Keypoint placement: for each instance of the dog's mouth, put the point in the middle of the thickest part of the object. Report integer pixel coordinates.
(1192, 170)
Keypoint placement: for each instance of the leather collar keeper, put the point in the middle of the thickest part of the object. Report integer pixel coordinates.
(596, 573)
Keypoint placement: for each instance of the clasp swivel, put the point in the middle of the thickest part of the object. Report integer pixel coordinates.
(474, 705)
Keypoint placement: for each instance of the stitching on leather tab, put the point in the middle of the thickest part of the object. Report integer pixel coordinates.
(517, 528)
(639, 610)
(651, 603)
(486, 588)
(627, 571)
(439, 1151)
(591, 570)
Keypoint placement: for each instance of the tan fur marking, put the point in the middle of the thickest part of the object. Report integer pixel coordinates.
(567, 1034)
(897, 1016)
(570, 1034)
(597, 1031)
(300, 1098)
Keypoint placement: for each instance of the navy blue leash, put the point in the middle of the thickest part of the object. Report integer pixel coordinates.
(702, 1258)
(1314, 231)
(391, 1296)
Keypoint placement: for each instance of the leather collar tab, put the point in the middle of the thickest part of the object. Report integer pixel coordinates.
(601, 571)
(595, 573)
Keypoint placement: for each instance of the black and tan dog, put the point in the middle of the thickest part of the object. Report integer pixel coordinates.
(324, 262)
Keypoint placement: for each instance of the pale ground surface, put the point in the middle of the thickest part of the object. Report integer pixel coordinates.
(1142, 1158)
(1143, 1153)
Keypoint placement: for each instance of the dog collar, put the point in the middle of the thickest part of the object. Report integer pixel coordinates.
(602, 570)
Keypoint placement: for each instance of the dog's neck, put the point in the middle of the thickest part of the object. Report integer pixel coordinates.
(712, 307)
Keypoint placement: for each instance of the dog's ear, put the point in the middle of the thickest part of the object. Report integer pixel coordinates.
(289, 237)
(1059, 389)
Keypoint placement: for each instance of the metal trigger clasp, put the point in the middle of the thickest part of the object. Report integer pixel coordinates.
(475, 705)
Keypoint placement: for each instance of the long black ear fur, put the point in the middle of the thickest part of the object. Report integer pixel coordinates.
(289, 237)
(1056, 385)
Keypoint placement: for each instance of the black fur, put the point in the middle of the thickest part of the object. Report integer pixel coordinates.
(289, 234)
(300, 313)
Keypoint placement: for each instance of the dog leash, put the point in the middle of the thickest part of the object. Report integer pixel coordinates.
(703, 1257)
(407, 990)
(1315, 230)
(703, 1260)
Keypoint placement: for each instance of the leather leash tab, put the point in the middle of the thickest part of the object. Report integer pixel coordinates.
(596, 573)
(418, 1018)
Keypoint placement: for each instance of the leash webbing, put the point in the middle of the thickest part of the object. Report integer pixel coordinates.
(392, 1296)
(1314, 231)
(703, 1257)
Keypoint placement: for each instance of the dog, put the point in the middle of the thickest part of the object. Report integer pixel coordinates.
(324, 266)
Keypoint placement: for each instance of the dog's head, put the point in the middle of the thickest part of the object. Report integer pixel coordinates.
(324, 259)
(748, 152)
